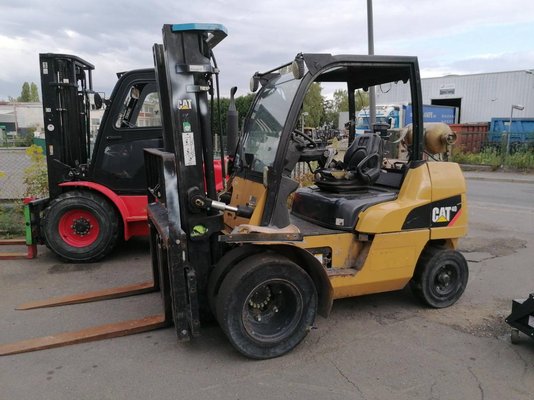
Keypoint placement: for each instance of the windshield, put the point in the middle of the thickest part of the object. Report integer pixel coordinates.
(264, 127)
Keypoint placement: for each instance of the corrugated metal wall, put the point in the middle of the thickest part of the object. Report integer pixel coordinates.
(483, 96)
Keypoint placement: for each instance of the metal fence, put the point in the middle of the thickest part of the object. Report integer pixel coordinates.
(13, 163)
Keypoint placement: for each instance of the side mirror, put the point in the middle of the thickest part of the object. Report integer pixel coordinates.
(254, 82)
(297, 67)
(97, 99)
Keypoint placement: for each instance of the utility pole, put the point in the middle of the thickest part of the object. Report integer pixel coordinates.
(371, 45)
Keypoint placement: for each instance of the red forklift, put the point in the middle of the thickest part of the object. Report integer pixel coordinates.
(97, 185)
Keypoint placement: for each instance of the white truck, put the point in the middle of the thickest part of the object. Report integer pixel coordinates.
(400, 115)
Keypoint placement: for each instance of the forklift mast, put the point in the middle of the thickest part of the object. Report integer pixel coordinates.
(66, 82)
(176, 175)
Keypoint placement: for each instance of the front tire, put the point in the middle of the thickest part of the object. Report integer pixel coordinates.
(440, 277)
(80, 226)
(266, 305)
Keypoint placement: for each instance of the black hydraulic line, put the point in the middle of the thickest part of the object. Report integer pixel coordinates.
(207, 151)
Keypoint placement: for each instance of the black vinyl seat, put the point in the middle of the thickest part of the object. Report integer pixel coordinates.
(337, 210)
(360, 167)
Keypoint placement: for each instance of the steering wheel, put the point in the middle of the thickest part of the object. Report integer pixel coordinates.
(307, 142)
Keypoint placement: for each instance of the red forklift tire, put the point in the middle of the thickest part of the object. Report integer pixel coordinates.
(80, 226)
(440, 277)
(266, 305)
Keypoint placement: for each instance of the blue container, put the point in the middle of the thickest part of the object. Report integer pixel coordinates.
(522, 130)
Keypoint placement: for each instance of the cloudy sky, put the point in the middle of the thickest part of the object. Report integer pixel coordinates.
(448, 36)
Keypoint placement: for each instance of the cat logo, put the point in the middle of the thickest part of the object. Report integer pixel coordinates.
(443, 214)
(185, 104)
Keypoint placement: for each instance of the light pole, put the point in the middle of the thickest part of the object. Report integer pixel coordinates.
(514, 107)
(371, 46)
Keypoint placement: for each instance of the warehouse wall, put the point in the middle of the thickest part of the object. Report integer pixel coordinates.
(483, 96)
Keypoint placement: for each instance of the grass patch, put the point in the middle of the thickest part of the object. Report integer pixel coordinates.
(11, 220)
(520, 158)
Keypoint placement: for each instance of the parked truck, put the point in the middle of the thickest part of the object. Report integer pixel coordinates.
(400, 115)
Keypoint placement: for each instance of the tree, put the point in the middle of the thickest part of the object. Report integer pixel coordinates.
(361, 99)
(25, 94)
(34, 93)
(313, 105)
(243, 103)
(29, 93)
(330, 113)
(341, 100)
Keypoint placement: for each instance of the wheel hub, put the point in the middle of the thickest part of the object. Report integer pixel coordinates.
(81, 226)
(260, 298)
(444, 278)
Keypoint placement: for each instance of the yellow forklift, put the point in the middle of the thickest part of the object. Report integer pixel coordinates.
(264, 270)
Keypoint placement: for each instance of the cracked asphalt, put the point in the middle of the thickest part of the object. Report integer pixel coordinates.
(374, 347)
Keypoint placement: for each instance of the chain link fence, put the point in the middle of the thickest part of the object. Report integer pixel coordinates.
(13, 162)
(14, 165)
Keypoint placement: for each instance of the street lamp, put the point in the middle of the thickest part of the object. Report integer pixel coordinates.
(514, 107)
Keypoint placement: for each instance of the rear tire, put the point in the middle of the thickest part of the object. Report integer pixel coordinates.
(266, 305)
(80, 226)
(440, 277)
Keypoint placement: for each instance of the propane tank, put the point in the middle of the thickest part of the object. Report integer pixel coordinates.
(438, 136)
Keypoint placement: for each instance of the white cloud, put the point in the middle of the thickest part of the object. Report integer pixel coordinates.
(118, 35)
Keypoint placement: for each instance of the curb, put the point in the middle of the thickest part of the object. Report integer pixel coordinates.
(477, 168)
(495, 179)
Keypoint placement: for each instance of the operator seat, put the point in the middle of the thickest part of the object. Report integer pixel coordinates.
(341, 193)
(360, 167)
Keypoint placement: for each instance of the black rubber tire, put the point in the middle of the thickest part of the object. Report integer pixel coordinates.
(440, 277)
(223, 266)
(103, 212)
(289, 311)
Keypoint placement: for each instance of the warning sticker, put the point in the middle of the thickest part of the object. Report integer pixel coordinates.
(188, 141)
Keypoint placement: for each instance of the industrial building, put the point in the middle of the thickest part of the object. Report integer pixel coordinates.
(478, 97)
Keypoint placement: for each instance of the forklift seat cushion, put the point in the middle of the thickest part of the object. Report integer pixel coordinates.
(360, 167)
(337, 210)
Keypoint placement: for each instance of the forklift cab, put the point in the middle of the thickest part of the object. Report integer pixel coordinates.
(271, 145)
(131, 123)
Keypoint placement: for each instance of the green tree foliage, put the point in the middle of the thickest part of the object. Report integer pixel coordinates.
(361, 99)
(330, 113)
(29, 93)
(313, 105)
(34, 93)
(25, 94)
(341, 101)
(242, 104)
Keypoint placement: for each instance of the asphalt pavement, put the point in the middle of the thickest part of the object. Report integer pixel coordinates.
(382, 346)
